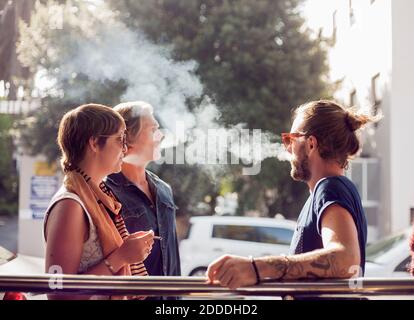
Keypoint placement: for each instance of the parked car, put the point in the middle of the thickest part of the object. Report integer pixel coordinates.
(211, 237)
(389, 257)
(13, 264)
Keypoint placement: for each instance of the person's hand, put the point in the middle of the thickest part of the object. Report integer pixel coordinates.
(137, 247)
(232, 272)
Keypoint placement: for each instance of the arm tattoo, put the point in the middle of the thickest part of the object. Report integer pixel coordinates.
(314, 265)
(327, 266)
(322, 263)
(280, 267)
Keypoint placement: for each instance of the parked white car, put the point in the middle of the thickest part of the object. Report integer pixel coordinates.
(13, 264)
(389, 257)
(211, 237)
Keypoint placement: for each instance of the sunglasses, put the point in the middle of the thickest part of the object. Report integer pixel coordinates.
(287, 138)
(122, 139)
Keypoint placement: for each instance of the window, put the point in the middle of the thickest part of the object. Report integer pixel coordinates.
(351, 13)
(270, 235)
(353, 98)
(234, 232)
(275, 235)
(365, 173)
(371, 171)
(186, 235)
(412, 215)
(356, 175)
(404, 266)
(334, 26)
(372, 215)
(375, 94)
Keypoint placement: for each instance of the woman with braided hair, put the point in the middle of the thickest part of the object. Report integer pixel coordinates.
(83, 230)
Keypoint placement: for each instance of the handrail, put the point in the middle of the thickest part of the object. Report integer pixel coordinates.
(192, 286)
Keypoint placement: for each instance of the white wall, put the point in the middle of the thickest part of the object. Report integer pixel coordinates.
(363, 50)
(379, 42)
(402, 98)
(30, 239)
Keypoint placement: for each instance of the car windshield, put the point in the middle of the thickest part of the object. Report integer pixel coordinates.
(6, 256)
(377, 249)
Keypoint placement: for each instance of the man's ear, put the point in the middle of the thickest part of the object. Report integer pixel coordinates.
(93, 144)
(312, 143)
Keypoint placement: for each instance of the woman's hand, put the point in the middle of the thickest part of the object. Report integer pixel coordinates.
(137, 247)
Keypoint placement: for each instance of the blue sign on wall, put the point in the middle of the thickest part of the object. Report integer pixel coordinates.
(42, 189)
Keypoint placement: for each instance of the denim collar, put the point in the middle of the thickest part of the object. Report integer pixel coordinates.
(120, 180)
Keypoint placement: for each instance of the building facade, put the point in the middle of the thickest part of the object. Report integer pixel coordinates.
(372, 65)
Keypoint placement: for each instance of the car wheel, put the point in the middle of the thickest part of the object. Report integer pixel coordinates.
(199, 272)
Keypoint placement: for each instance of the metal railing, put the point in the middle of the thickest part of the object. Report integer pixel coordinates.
(198, 288)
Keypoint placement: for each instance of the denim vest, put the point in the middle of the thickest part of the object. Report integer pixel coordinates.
(140, 215)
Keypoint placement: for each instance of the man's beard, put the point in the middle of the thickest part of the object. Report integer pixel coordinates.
(300, 167)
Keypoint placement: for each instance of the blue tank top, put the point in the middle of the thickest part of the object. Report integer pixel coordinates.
(328, 191)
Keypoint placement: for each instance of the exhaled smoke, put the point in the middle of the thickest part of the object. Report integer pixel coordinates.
(214, 147)
(113, 52)
(105, 49)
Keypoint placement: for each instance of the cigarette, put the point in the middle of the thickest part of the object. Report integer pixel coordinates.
(157, 238)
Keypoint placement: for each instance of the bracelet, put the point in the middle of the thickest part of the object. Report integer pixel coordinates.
(110, 267)
(287, 265)
(256, 271)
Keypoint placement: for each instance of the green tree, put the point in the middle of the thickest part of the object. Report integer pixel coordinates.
(49, 52)
(257, 60)
(45, 51)
(8, 174)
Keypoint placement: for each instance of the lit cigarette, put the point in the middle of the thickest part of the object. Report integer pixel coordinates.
(157, 238)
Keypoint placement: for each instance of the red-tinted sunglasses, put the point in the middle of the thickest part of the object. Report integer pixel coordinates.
(287, 138)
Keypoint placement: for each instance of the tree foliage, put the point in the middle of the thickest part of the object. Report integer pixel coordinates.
(256, 60)
(46, 51)
(8, 174)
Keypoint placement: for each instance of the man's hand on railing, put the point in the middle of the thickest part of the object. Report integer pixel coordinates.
(232, 272)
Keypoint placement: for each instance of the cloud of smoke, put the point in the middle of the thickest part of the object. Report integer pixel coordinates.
(107, 50)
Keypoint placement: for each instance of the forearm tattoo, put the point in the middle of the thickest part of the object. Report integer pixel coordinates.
(310, 266)
(279, 267)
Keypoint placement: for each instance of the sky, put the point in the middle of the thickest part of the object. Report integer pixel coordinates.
(319, 13)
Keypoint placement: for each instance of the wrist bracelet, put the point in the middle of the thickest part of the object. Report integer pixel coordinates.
(110, 267)
(256, 271)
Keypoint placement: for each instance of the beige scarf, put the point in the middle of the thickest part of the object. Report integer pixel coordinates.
(96, 201)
